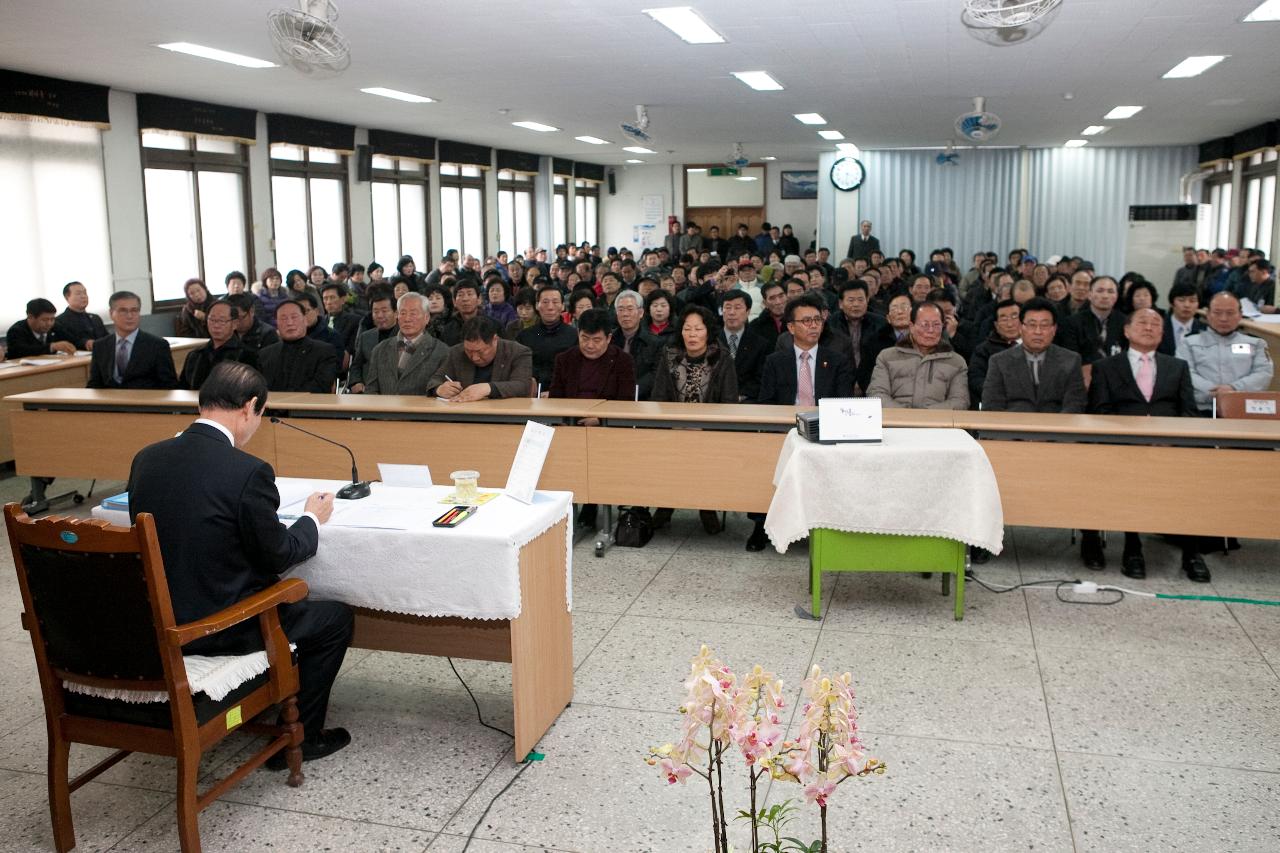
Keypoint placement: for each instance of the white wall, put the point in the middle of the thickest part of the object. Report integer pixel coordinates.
(126, 205)
(802, 214)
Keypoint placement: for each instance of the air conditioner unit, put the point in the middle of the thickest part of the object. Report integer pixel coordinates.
(1157, 233)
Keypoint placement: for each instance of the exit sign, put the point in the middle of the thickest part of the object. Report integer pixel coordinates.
(723, 172)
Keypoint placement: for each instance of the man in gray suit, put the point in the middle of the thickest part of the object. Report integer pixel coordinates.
(383, 313)
(1035, 376)
(404, 364)
(484, 366)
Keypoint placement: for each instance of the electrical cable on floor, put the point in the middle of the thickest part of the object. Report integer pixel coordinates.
(483, 814)
(1002, 589)
(479, 716)
(1057, 590)
(1090, 588)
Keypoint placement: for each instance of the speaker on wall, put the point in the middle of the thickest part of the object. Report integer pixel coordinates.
(613, 183)
(364, 163)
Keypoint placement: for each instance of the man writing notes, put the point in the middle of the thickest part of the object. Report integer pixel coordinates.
(215, 512)
(483, 366)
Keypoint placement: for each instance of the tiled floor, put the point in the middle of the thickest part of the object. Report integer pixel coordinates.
(1033, 724)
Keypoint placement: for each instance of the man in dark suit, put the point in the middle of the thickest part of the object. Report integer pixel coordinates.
(382, 313)
(215, 511)
(801, 375)
(631, 337)
(131, 358)
(747, 349)
(1036, 376)
(224, 345)
(484, 366)
(38, 334)
(76, 324)
(549, 336)
(1183, 318)
(340, 319)
(1096, 331)
(1142, 381)
(406, 363)
(771, 322)
(862, 244)
(297, 362)
(861, 331)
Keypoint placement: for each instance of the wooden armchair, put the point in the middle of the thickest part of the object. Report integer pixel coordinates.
(96, 603)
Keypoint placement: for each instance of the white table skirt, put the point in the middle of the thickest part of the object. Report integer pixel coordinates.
(917, 482)
(410, 567)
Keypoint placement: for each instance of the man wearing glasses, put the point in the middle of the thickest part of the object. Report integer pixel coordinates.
(1036, 375)
(131, 358)
(922, 371)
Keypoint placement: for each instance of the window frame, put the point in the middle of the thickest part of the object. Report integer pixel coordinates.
(517, 185)
(584, 189)
(560, 188)
(1258, 167)
(195, 161)
(307, 170)
(400, 176)
(462, 182)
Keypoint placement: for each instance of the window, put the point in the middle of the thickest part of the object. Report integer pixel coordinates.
(462, 209)
(515, 212)
(309, 207)
(198, 216)
(1217, 194)
(560, 212)
(587, 211)
(400, 212)
(53, 223)
(1259, 201)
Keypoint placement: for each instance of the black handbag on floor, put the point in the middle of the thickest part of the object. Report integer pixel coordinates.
(634, 528)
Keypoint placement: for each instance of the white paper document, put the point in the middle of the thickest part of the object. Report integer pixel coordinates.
(39, 362)
(850, 419)
(412, 476)
(522, 482)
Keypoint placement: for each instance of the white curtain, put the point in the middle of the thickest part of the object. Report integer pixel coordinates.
(1080, 197)
(53, 222)
(915, 203)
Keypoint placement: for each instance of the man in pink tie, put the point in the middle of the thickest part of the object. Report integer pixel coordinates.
(1143, 382)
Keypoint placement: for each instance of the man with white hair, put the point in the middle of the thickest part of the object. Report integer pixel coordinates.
(862, 244)
(636, 341)
(404, 364)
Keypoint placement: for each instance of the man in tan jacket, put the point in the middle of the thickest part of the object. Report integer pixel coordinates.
(922, 371)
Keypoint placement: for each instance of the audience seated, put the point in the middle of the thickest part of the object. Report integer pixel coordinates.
(1097, 330)
(1004, 335)
(1141, 381)
(1036, 375)
(130, 358)
(548, 337)
(484, 366)
(1182, 319)
(340, 318)
(1222, 358)
(76, 323)
(271, 294)
(770, 322)
(594, 369)
(921, 371)
(631, 337)
(862, 330)
(224, 345)
(297, 362)
(191, 319)
(38, 334)
(743, 343)
(407, 362)
(383, 312)
(253, 332)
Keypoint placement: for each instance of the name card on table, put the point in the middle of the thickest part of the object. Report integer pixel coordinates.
(1259, 407)
(522, 482)
(850, 419)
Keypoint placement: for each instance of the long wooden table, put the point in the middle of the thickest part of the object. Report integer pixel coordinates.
(1066, 471)
(71, 371)
(1269, 332)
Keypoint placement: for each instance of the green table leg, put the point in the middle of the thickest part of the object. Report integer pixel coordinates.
(839, 551)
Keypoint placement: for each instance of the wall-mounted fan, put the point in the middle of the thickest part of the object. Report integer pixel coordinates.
(1008, 22)
(947, 156)
(737, 160)
(639, 130)
(979, 125)
(306, 38)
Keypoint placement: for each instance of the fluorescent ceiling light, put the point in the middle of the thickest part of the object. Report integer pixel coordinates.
(1095, 129)
(691, 171)
(635, 161)
(847, 148)
(768, 158)
(593, 140)
(398, 95)
(533, 125)
(810, 118)
(759, 80)
(833, 135)
(686, 23)
(1075, 143)
(1123, 112)
(636, 149)
(1268, 11)
(746, 178)
(219, 55)
(1192, 66)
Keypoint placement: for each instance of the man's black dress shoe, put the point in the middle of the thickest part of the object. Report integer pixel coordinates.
(320, 745)
(1195, 568)
(758, 538)
(1133, 566)
(1091, 554)
(978, 556)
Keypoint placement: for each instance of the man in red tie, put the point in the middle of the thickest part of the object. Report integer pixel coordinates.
(1142, 381)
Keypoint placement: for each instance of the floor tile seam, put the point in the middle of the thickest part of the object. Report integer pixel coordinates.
(5, 733)
(230, 799)
(1171, 762)
(547, 847)
(617, 617)
(171, 804)
(1157, 657)
(650, 581)
(800, 623)
(1253, 642)
(462, 805)
(1053, 737)
(896, 636)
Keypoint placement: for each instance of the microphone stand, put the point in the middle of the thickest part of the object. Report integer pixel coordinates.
(354, 490)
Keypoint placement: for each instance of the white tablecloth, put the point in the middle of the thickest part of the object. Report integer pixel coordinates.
(406, 565)
(917, 482)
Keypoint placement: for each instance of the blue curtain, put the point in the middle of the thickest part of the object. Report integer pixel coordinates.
(914, 203)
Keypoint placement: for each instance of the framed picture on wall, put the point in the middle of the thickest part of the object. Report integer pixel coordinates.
(800, 184)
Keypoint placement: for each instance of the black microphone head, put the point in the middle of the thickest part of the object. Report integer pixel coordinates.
(275, 420)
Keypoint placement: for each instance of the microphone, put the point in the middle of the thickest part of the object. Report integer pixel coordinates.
(354, 490)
